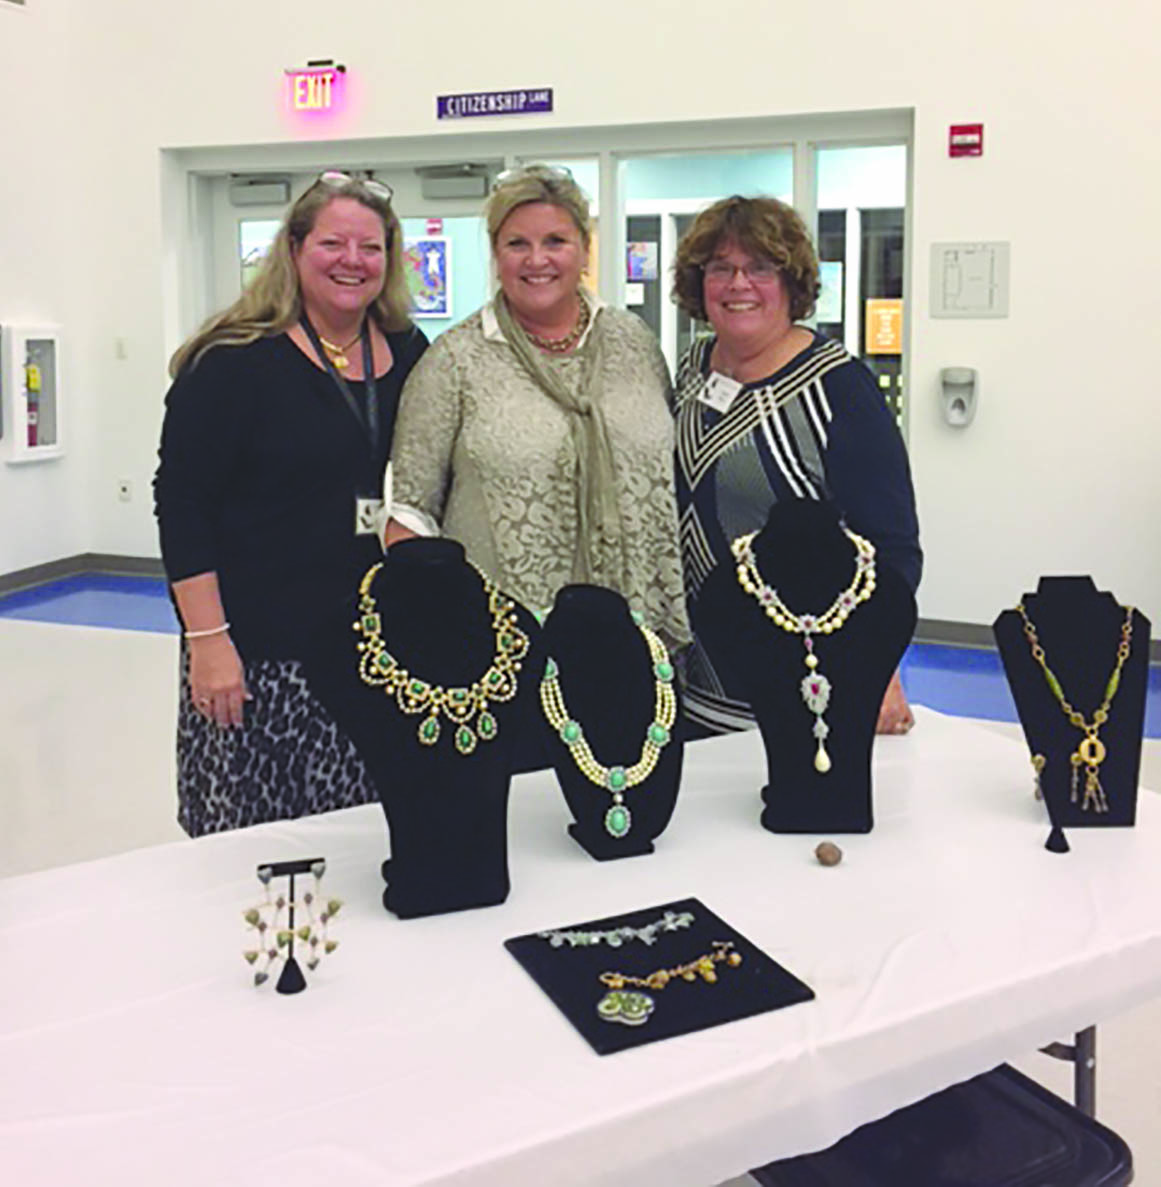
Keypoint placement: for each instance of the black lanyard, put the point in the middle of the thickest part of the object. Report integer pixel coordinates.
(368, 421)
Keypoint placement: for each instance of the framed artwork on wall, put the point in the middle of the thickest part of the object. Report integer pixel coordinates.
(428, 265)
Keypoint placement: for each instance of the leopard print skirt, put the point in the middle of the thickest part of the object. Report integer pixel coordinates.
(290, 759)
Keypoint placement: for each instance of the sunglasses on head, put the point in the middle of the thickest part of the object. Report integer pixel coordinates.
(336, 180)
(549, 172)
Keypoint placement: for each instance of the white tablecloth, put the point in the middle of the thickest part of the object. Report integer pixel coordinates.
(133, 1048)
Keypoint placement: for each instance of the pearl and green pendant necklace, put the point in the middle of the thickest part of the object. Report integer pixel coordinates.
(815, 687)
(467, 707)
(618, 779)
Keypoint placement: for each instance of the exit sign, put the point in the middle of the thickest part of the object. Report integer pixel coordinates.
(316, 88)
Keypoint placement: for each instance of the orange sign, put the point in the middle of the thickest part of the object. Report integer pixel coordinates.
(883, 331)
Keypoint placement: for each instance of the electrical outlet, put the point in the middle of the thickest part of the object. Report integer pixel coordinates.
(124, 490)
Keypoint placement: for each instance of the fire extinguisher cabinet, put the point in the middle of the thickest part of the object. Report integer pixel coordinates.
(30, 389)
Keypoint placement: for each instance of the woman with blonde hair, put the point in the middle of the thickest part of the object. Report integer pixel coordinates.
(277, 431)
(537, 433)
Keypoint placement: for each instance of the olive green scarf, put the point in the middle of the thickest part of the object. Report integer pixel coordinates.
(598, 513)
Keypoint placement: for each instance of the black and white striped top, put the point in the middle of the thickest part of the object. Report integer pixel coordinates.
(817, 428)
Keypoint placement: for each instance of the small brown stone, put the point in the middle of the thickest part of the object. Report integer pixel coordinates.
(828, 853)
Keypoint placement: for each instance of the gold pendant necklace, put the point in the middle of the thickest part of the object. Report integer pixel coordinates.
(1091, 752)
(815, 687)
(464, 707)
(338, 354)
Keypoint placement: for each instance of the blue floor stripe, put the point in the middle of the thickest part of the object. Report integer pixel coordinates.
(962, 681)
(93, 599)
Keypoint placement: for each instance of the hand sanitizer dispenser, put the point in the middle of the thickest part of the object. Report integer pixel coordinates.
(958, 392)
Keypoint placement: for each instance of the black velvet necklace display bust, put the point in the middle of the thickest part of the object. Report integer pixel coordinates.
(1079, 627)
(804, 554)
(606, 675)
(446, 811)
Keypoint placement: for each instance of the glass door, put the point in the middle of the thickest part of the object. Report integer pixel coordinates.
(861, 194)
(663, 192)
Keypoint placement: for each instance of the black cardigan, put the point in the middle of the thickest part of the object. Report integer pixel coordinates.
(261, 461)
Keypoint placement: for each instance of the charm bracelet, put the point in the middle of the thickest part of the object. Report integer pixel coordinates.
(624, 1003)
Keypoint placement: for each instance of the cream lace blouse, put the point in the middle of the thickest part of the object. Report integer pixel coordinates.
(484, 456)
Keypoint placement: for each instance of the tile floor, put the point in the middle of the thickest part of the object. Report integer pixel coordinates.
(87, 704)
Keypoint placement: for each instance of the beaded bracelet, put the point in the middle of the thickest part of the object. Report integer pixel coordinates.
(216, 630)
(615, 937)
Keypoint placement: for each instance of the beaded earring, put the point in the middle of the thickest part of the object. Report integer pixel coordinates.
(275, 937)
(1039, 762)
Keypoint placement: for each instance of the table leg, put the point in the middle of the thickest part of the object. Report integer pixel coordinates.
(1082, 1055)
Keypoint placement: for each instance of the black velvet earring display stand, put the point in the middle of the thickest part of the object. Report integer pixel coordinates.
(804, 554)
(446, 812)
(606, 676)
(571, 977)
(1079, 628)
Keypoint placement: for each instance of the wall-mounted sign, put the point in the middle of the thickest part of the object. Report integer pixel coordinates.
(434, 226)
(970, 279)
(317, 87)
(527, 101)
(965, 140)
(884, 326)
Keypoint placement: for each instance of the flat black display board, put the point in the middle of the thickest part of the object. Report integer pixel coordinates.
(570, 976)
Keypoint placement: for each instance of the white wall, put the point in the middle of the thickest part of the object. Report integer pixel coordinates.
(1059, 471)
(43, 511)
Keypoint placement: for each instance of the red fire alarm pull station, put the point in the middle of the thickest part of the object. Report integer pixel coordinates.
(965, 140)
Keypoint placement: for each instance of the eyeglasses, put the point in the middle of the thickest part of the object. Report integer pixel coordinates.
(336, 180)
(544, 172)
(756, 271)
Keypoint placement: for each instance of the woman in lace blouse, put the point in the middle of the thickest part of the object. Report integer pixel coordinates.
(537, 432)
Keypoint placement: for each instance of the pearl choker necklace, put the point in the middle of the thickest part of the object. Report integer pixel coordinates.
(815, 687)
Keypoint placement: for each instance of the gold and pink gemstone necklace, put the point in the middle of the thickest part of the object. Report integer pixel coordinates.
(815, 687)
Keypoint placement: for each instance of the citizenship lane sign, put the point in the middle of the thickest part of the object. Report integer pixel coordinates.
(527, 101)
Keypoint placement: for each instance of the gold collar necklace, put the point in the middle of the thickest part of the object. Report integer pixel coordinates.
(562, 345)
(466, 708)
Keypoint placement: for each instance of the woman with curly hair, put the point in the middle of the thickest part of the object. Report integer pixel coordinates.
(769, 410)
(277, 431)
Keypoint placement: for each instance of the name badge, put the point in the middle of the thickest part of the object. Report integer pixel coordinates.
(719, 391)
(367, 513)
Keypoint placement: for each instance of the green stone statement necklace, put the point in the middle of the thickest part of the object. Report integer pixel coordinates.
(618, 779)
(464, 707)
(1091, 751)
